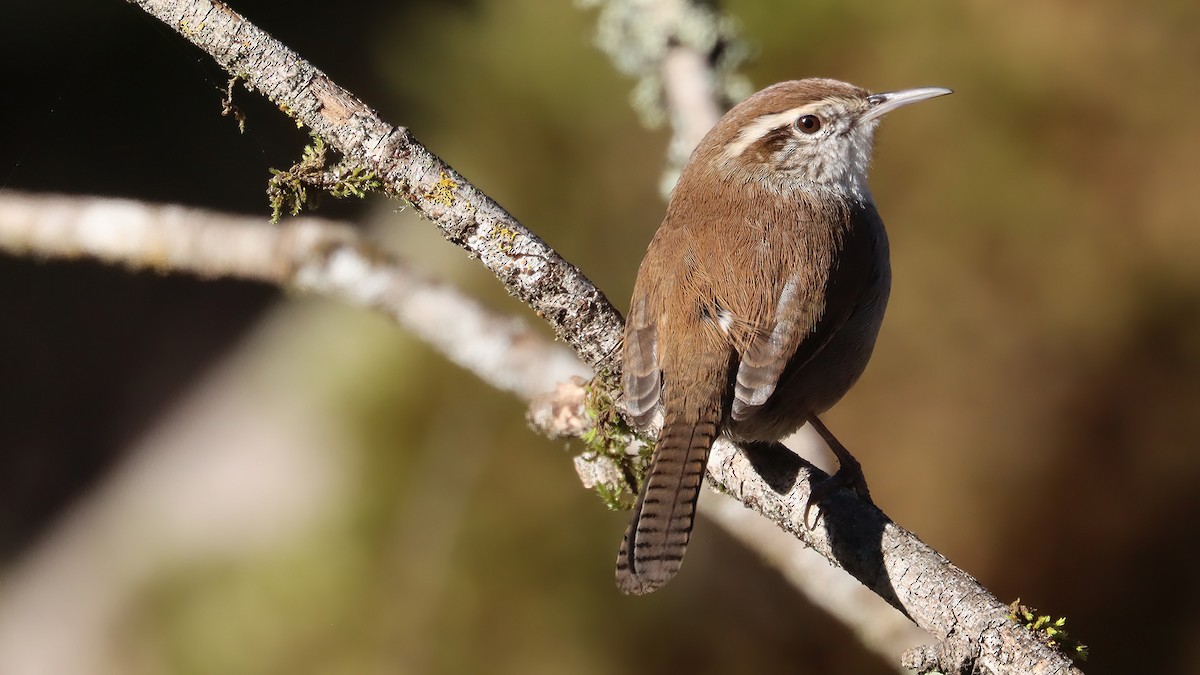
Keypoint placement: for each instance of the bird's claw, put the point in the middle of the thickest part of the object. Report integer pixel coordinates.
(849, 475)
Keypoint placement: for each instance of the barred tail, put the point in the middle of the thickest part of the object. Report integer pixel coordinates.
(657, 536)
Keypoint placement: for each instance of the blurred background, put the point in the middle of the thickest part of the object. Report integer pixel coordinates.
(212, 477)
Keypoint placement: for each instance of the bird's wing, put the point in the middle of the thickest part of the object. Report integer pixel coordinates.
(790, 329)
(809, 310)
(642, 375)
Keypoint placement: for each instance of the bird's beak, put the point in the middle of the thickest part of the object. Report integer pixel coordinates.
(882, 104)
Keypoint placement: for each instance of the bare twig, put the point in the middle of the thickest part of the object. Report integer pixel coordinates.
(306, 254)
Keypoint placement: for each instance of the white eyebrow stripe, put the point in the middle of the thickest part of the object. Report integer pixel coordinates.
(761, 127)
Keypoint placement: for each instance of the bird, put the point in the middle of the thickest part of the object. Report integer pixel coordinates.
(759, 299)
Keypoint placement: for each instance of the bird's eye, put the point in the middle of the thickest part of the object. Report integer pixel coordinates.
(808, 124)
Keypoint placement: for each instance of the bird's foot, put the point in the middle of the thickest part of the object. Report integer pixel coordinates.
(849, 473)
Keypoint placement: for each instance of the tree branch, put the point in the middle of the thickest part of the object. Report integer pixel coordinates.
(685, 56)
(939, 597)
(527, 267)
(304, 254)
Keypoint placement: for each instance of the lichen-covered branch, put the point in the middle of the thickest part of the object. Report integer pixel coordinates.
(527, 267)
(973, 626)
(685, 55)
(877, 625)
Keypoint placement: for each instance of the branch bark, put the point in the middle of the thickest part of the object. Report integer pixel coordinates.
(467, 217)
(947, 602)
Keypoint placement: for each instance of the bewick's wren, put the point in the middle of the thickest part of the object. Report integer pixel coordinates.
(759, 299)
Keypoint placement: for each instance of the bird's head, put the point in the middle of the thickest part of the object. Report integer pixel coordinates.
(813, 134)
